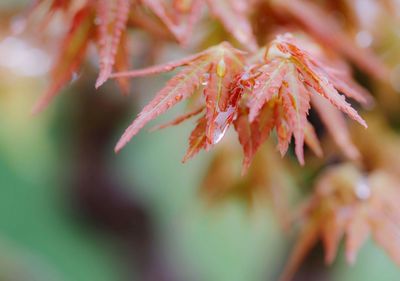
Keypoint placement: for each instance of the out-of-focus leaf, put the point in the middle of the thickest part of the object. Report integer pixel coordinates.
(233, 14)
(113, 16)
(311, 16)
(345, 202)
(70, 57)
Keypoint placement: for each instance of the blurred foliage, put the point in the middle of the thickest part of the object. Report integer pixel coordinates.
(50, 230)
(33, 212)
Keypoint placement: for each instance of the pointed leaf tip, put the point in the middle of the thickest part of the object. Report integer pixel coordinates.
(37, 108)
(100, 81)
(120, 145)
(113, 16)
(129, 133)
(42, 102)
(301, 160)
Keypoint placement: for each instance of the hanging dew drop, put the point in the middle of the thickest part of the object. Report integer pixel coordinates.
(205, 78)
(222, 122)
(97, 21)
(74, 77)
(218, 135)
(362, 190)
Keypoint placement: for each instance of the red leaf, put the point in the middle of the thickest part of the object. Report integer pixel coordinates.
(232, 14)
(307, 239)
(331, 232)
(253, 134)
(166, 67)
(220, 101)
(281, 86)
(248, 134)
(71, 55)
(55, 5)
(179, 21)
(177, 89)
(316, 77)
(357, 231)
(113, 16)
(311, 139)
(336, 126)
(122, 63)
(283, 129)
(268, 84)
(197, 139)
(343, 83)
(386, 234)
(179, 119)
(297, 103)
(214, 67)
(331, 34)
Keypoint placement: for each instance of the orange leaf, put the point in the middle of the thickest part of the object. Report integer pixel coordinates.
(177, 89)
(306, 240)
(232, 14)
(113, 16)
(214, 69)
(336, 126)
(197, 139)
(71, 55)
(331, 34)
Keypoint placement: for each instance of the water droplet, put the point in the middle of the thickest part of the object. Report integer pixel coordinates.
(97, 21)
(362, 189)
(205, 78)
(74, 77)
(245, 76)
(18, 25)
(218, 135)
(364, 39)
(222, 122)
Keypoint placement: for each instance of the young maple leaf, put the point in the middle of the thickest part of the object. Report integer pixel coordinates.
(214, 70)
(283, 85)
(348, 203)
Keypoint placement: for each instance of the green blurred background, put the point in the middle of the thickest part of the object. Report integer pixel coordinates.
(70, 209)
